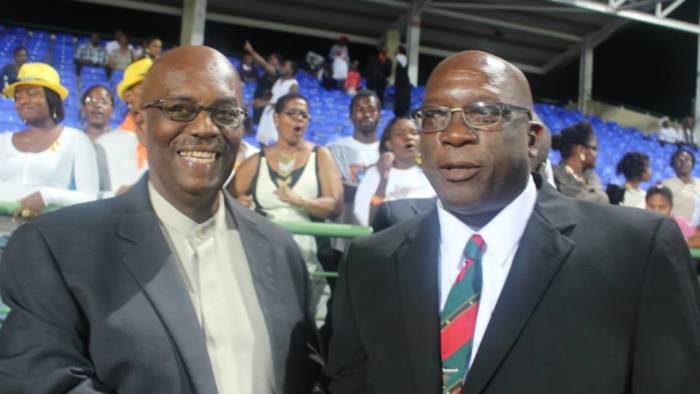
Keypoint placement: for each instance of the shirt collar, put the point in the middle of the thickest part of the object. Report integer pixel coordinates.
(172, 218)
(504, 230)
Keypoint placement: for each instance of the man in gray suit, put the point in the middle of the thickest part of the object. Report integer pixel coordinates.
(172, 287)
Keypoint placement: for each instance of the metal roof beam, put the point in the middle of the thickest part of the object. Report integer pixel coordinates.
(595, 39)
(504, 24)
(237, 20)
(632, 14)
(432, 10)
(503, 7)
(663, 12)
(616, 3)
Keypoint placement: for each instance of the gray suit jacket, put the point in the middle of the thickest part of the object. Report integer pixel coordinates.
(98, 304)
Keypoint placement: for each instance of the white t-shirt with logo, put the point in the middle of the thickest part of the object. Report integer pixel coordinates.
(353, 157)
(401, 184)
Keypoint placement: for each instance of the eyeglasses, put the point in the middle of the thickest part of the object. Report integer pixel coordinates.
(183, 110)
(297, 114)
(94, 101)
(479, 115)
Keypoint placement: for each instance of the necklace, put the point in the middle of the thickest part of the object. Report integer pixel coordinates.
(285, 166)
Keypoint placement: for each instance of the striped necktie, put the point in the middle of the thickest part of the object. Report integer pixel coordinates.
(458, 317)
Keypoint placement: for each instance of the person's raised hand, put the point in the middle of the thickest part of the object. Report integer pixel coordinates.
(384, 164)
(247, 46)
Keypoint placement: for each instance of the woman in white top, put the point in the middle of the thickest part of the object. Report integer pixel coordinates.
(292, 179)
(396, 175)
(46, 163)
(636, 168)
(286, 83)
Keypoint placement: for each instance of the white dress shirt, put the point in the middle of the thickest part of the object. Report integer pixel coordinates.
(502, 238)
(216, 273)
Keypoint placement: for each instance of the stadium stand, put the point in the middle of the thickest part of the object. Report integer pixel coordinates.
(329, 109)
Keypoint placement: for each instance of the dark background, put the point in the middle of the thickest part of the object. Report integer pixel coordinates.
(643, 66)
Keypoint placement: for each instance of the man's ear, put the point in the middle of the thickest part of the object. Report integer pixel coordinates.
(533, 137)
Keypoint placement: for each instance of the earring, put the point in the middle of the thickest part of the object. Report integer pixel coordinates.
(54, 115)
(582, 157)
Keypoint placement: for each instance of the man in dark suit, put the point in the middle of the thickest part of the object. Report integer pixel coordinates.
(173, 287)
(507, 286)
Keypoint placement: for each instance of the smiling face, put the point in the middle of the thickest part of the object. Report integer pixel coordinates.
(190, 159)
(403, 141)
(30, 103)
(291, 124)
(98, 107)
(474, 172)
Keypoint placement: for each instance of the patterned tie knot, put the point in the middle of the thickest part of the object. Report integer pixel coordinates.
(475, 248)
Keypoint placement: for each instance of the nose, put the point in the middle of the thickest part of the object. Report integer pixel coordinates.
(458, 133)
(202, 126)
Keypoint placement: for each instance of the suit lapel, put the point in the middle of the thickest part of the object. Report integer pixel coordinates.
(417, 265)
(149, 259)
(259, 253)
(543, 248)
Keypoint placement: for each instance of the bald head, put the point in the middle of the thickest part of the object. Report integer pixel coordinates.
(492, 72)
(187, 63)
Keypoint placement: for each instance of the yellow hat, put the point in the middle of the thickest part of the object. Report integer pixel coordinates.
(133, 74)
(37, 74)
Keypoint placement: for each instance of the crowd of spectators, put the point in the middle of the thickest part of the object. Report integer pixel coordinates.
(288, 178)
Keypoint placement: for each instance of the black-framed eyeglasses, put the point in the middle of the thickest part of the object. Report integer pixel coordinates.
(480, 115)
(184, 110)
(297, 114)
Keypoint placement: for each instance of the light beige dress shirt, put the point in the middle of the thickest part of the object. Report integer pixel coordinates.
(215, 270)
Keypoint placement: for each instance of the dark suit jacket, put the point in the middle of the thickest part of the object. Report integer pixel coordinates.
(98, 304)
(599, 299)
(397, 211)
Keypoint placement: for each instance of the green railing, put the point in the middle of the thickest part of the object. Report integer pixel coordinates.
(325, 230)
(9, 208)
(695, 253)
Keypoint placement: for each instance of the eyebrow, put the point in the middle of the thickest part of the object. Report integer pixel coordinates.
(220, 101)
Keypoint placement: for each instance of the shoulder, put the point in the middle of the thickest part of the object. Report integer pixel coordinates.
(76, 138)
(381, 245)
(6, 139)
(72, 134)
(78, 222)
(338, 142)
(609, 224)
(117, 136)
(670, 181)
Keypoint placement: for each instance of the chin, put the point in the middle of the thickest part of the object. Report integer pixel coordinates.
(200, 186)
